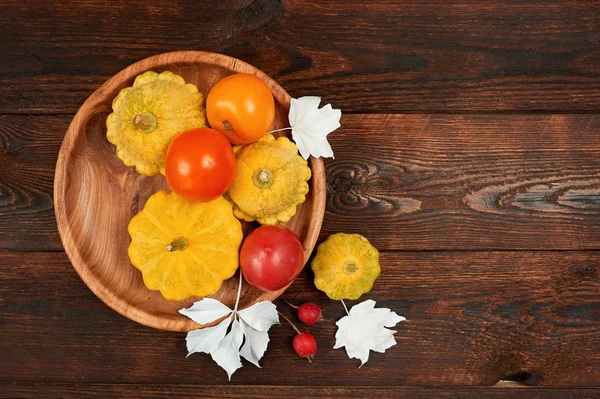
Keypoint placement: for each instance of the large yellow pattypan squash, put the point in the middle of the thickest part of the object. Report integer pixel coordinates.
(148, 115)
(346, 266)
(185, 248)
(271, 181)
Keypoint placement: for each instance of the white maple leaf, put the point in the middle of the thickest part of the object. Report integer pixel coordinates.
(207, 339)
(206, 311)
(364, 329)
(223, 342)
(256, 343)
(310, 126)
(227, 354)
(260, 316)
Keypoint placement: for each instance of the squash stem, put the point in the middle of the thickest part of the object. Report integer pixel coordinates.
(350, 267)
(178, 244)
(145, 122)
(262, 178)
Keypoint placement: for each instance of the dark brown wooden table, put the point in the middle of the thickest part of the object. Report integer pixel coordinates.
(469, 155)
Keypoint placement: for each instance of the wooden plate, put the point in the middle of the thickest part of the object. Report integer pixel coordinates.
(96, 195)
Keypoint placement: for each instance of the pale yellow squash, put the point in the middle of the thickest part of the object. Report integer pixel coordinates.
(346, 266)
(148, 115)
(185, 248)
(271, 181)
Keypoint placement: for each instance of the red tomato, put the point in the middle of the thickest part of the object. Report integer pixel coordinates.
(200, 164)
(271, 257)
(241, 107)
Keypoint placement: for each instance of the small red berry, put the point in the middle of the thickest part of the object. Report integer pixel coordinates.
(309, 313)
(305, 345)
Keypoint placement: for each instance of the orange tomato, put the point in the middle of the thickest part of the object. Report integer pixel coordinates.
(200, 164)
(241, 107)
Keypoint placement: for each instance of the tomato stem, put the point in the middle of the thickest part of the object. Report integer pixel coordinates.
(227, 126)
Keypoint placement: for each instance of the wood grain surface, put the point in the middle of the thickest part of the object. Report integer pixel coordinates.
(473, 318)
(407, 182)
(384, 56)
(29, 146)
(427, 182)
(109, 391)
(468, 154)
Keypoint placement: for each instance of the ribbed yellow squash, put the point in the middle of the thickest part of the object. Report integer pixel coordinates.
(148, 115)
(271, 181)
(346, 266)
(185, 248)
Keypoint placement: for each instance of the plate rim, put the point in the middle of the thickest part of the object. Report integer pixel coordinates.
(116, 303)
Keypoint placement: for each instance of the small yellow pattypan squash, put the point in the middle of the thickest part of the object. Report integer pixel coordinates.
(148, 115)
(346, 266)
(185, 248)
(271, 181)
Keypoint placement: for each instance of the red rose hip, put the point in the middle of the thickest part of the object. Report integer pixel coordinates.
(309, 313)
(305, 345)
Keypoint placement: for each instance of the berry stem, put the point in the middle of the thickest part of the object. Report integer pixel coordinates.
(289, 321)
(294, 306)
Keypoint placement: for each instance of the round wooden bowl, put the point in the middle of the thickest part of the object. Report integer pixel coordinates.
(96, 195)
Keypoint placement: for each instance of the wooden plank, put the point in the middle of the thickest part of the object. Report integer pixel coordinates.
(415, 182)
(473, 318)
(386, 56)
(107, 391)
(407, 182)
(29, 147)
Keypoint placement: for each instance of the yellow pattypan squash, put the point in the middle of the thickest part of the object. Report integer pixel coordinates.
(271, 181)
(346, 266)
(185, 248)
(148, 115)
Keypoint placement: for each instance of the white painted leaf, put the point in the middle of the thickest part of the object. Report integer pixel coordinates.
(206, 311)
(260, 316)
(207, 339)
(225, 347)
(311, 125)
(256, 343)
(364, 329)
(227, 355)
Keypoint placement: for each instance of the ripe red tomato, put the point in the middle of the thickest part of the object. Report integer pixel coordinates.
(241, 107)
(200, 164)
(271, 257)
